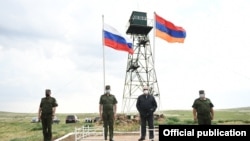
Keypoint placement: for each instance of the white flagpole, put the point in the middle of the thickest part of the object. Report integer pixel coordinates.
(159, 104)
(154, 39)
(103, 51)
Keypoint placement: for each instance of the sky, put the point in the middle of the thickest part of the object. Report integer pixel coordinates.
(57, 44)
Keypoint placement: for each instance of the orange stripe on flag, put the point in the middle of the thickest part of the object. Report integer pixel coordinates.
(168, 38)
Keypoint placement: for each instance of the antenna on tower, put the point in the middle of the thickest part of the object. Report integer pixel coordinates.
(140, 70)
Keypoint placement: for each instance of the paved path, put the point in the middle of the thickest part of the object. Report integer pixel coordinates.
(118, 138)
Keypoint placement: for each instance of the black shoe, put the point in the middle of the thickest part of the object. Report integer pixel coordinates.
(141, 139)
(111, 140)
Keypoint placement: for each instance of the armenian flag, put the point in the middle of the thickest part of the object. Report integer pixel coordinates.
(168, 31)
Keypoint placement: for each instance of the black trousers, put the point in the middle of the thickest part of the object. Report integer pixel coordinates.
(149, 119)
(47, 128)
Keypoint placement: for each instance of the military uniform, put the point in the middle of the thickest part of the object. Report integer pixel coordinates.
(46, 106)
(203, 109)
(108, 101)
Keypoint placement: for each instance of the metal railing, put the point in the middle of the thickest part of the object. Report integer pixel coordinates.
(84, 132)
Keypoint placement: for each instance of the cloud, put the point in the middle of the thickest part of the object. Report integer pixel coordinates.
(58, 45)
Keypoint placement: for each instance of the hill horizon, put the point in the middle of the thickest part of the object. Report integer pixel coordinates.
(235, 108)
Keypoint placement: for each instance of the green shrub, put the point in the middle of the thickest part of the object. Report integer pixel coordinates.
(188, 122)
(174, 119)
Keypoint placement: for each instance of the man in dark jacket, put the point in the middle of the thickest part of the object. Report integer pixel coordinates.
(46, 113)
(146, 105)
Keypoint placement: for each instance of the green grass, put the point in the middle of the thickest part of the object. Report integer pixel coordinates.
(18, 126)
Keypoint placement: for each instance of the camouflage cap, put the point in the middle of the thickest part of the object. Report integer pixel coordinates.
(107, 87)
(201, 92)
(47, 91)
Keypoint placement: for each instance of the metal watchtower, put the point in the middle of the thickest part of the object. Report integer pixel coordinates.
(140, 70)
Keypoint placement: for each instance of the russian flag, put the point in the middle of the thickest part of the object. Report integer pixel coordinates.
(113, 39)
(168, 31)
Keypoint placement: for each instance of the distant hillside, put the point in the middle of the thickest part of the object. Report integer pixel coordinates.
(238, 109)
(227, 109)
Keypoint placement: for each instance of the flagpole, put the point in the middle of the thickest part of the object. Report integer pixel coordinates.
(103, 54)
(154, 40)
(159, 107)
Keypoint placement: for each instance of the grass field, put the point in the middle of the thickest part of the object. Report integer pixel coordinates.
(18, 126)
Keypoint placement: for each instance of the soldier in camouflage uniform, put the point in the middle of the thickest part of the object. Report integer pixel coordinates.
(203, 109)
(107, 110)
(46, 114)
